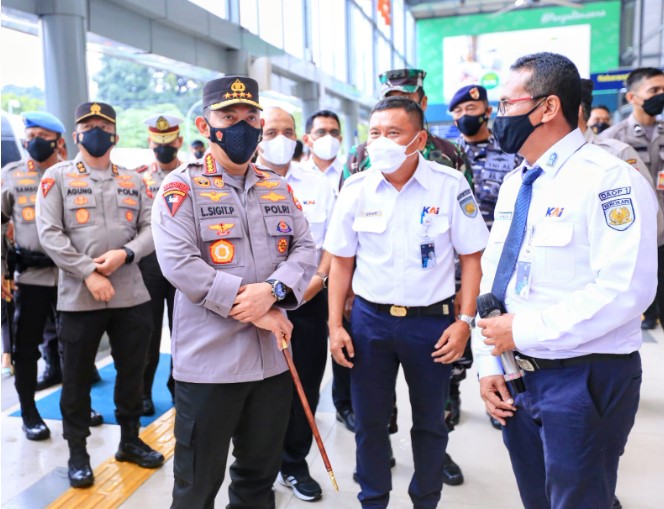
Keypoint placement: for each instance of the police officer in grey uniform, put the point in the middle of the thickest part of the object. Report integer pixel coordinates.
(643, 131)
(165, 141)
(94, 221)
(231, 237)
(36, 274)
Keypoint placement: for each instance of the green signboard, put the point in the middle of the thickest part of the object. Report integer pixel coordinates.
(480, 48)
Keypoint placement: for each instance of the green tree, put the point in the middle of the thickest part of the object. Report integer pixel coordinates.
(19, 99)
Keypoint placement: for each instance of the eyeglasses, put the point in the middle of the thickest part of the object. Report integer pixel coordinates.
(504, 103)
(319, 133)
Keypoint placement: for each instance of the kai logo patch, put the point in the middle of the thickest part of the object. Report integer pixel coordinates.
(554, 211)
(46, 185)
(619, 214)
(213, 195)
(222, 229)
(222, 252)
(273, 197)
(175, 193)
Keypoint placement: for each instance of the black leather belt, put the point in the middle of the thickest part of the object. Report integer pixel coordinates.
(442, 308)
(528, 363)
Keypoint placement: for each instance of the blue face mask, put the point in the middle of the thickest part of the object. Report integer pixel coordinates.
(40, 149)
(96, 141)
(512, 132)
(239, 141)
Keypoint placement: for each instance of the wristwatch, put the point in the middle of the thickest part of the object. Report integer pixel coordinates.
(470, 320)
(279, 290)
(130, 255)
(323, 277)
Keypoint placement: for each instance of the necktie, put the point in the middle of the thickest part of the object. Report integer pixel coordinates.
(515, 236)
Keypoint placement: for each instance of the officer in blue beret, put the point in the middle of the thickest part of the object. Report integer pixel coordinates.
(471, 111)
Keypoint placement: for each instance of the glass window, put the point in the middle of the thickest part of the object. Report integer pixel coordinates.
(214, 6)
(328, 36)
(249, 15)
(366, 6)
(411, 43)
(270, 22)
(294, 27)
(362, 65)
(398, 20)
(383, 56)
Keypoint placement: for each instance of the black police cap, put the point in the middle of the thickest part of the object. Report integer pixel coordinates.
(94, 109)
(229, 90)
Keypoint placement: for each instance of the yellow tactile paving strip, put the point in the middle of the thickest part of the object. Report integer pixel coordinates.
(115, 481)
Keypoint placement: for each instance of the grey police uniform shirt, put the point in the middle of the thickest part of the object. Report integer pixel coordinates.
(152, 177)
(628, 154)
(651, 151)
(212, 237)
(84, 212)
(20, 184)
(489, 165)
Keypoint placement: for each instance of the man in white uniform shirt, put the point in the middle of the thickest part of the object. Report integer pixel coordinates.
(323, 137)
(309, 340)
(574, 260)
(394, 232)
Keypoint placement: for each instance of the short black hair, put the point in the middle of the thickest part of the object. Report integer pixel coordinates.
(638, 75)
(321, 113)
(587, 87)
(299, 147)
(553, 74)
(197, 143)
(401, 102)
(601, 107)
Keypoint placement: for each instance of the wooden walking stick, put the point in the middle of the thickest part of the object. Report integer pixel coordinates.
(307, 411)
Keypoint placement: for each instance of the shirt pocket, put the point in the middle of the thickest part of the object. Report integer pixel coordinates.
(280, 236)
(25, 208)
(317, 222)
(554, 252)
(222, 241)
(499, 231)
(80, 211)
(128, 207)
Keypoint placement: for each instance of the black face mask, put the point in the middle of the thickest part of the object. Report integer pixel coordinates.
(96, 141)
(165, 153)
(471, 124)
(239, 141)
(654, 105)
(512, 132)
(599, 127)
(199, 153)
(40, 149)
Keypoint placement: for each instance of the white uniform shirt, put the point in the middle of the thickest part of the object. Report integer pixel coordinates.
(332, 173)
(591, 238)
(317, 199)
(385, 230)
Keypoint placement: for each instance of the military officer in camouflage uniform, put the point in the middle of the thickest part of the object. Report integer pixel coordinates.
(643, 131)
(409, 83)
(94, 222)
(36, 275)
(231, 237)
(165, 141)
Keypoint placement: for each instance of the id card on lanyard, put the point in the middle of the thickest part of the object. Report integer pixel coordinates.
(427, 246)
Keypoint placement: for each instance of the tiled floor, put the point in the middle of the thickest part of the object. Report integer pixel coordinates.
(33, 473)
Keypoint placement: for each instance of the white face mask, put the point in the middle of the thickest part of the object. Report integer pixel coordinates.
(326, 147)
(386, 155)
(279, 150)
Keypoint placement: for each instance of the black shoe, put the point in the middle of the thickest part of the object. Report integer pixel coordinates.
(616, 503)
(80, 473)
(453, 409)
(48, 379)
(35, 428)
(452, 474)
(649, 323)
(148, 406)
(348, 418)
(134, 450)
(96, 419)
(303, 485)
(494, 422)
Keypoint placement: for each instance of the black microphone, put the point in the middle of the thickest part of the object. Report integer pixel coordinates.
(488, 306)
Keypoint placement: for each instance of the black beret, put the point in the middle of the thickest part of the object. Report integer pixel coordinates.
(468, 93)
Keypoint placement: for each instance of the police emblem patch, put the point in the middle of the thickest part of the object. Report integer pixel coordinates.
(78, 183)
(26, 182)
(619, 214)
(282, 245)
(218, 182)
(22, 200)
(28, 214)
(129, 201)
(267, 183)
(81, 200)
(202, 181)
(222, 229)
(46, 185)
(282, 227)
(129, 215)
(126, 185)
(213, 195)
(174, 195)
(82, 216)
(468, 206)
(273, 197)
(222, 252)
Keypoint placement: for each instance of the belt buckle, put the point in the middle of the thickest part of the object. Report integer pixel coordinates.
(525, 364)
(399, 311)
